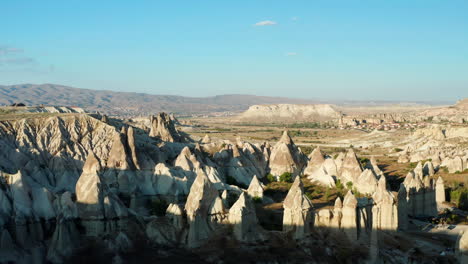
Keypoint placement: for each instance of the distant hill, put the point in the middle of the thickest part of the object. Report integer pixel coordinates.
(127, 103)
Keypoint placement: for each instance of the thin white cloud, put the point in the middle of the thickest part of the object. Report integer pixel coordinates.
(4, 50)
(291, 53)
(265, 23)
(294, 18)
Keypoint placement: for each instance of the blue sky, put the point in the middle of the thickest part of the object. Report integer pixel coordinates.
(350, 49)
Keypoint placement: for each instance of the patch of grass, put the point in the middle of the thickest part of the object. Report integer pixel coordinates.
(257, 199)
(286, 177)
(363, 161)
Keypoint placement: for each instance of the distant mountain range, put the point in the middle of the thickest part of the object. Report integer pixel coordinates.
(129, 103)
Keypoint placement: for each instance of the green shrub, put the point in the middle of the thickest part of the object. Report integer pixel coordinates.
(445, 169)
(270, 177)
(349, 185)
(339, 185)
(397, 149)
(327, 194)
(158, 207)
(363, 161)
(257, 199)
(459, 196)
(286, 177)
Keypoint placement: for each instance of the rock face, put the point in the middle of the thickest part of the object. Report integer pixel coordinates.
(204, 210)
(298, 211)
(440, 191)
(286, 157)
(288, 112)
(244, 219)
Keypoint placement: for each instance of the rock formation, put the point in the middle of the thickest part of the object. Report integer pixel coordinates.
(402, 208)
(461, 249)
(366, 183)
(204, 210)
(286, 157)
(372, 165)
(255, 188)
(350, 169)
(243, 218)
(349, 218)
(298, 211)
(385, 209)
(163, 127)
(440, 191)
(321, 176)
(288, 112)
(316, 160)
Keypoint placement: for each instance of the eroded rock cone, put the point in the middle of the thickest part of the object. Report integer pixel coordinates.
(315, 161)
(428, 168)
(286, 157)
(372, 165)
(402, 208)
(349, 219)
(384, 211)
(95, 201)
(187, 161)
(89, 189)
(255, 188)
(440, 191)
(203, 207)
(298, 211)
(351, 168)
(206, 140)
(337, 213)
(244, 219)
(366, 182)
